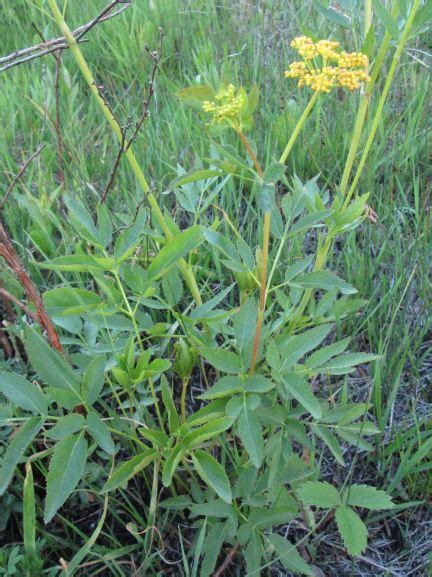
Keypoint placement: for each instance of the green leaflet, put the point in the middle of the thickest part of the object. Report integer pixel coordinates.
(22, 393)
(50, 365)
(129, 469)
(66, 469)
(16, 449)
(352, 529)
(213, 474)
(175, 249)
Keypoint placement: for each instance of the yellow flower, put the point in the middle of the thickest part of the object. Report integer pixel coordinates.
(226, 106)
(353, 60)
(305, 46)
(326, 49)
(349, 69)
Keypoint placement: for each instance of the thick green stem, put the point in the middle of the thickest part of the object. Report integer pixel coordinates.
(154, 493)
(298, 128)
(382, 100)
(324, 251)
(156, 211)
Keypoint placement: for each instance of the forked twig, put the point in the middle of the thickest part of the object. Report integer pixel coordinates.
(19, 175)
(38, 50)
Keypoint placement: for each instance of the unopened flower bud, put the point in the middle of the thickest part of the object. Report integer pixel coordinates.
(185, 359)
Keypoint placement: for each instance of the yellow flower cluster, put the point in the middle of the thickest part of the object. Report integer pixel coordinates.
(349, 69)
(227, 106)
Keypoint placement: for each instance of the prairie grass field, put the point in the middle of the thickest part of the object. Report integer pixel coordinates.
(195, 401)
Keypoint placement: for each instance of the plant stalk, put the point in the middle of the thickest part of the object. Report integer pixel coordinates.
(156, 211)
(183, 399)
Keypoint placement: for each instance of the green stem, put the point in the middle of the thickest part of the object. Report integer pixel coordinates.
(298, 128)
(129, 310)
(154, 493)
(324, 252)
(156, 211)
(156, 404)
(382, 100)
(183, 399)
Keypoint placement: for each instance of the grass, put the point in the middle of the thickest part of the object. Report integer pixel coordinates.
(246, 43)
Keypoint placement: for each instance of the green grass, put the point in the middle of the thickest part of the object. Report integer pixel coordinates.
(246, 43)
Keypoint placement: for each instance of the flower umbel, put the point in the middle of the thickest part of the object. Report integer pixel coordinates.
(227, 106)
(324, 68)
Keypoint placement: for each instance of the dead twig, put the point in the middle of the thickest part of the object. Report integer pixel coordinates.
(156, 57)
(5, 294)
(8, 252)
(228, 560)
(38, 50)
(19, 175)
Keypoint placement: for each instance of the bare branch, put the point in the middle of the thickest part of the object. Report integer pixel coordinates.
(10, 255)
(18, 176)
(30, 53)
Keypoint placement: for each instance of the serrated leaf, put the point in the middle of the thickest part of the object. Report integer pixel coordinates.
(66, 426)
(250, 433)
(368, 497)
(195, 95)
(349, 360)
(253, 554)
(273, 173)
(170, 465)
(244, 324)
(22, 393)
(300, 389)
(212, 473)
(64, 301)
(128, 469)
(16, 449)
(325, 353)
(175, 249)
(207, 431)
(173, 418)
(224, 387)
(128, 240)
(332, 15)
(93, 380)
(288, 555)
(352, 530)
(330, 440)
(222, 360)
(319, 494)
(325, 280)
(65, 471)
(295, 347)
(50, 365)
(78, 263)
(194, 176)
(100, 433)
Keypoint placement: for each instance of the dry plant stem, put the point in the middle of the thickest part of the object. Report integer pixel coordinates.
(228, 560)
(20, 173)
(6, 295)
(8, 252)
(47, 47)
(156, 211)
